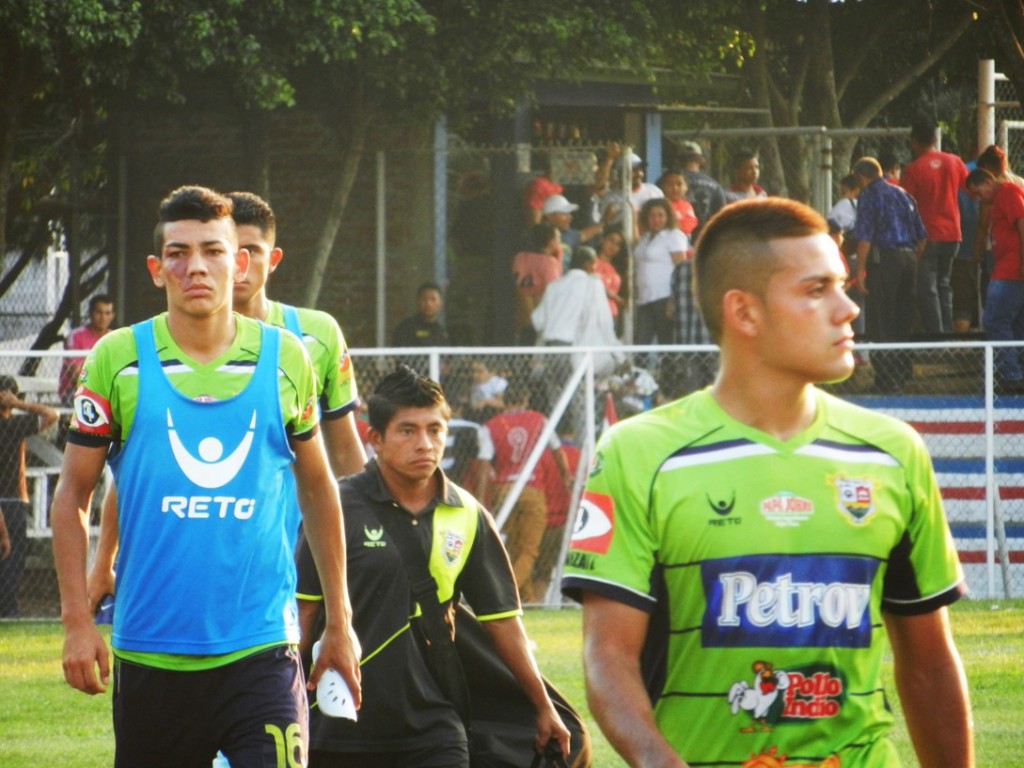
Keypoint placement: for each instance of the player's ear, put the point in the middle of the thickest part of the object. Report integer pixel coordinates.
(275, 258)
(241, 264)
(741, 312)
(153, 264)
(375, 438)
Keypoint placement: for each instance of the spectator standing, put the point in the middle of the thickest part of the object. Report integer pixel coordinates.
(506, 441)
(717, 533)
(1004, 303)
(658, 250)
(640, 191)
(746, 170)
(538, 189)
(844, 214)
(673, 184)
(890, 237)
(704, 192)
(407, 718)
(574, 313)
(533, 269)
(82, 339)
(197, 624)
(964, 280)
(933, 178)
(424, 329)
(608, 250)
(891, 166)
(558, 211)
(14, 501)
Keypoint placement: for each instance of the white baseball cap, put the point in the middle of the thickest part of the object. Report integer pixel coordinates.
(558, 204)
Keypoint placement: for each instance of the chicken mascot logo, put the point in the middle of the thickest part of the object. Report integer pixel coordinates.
(758, 699)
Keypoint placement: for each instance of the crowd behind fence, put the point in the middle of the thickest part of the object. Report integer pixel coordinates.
(975, 435)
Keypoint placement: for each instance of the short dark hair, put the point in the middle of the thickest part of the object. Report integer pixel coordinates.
(582, 256)
(658, 202)
(430, 285)
(516, 392)
(993, 159)
(924, 132)
(249, 209)
(849, 181)
(741, 156)
(541, 234)
(188, 203)
(8, 384)
(404, 388)
(99, 298)
(888, 159)
(978, 176)
(734, 249)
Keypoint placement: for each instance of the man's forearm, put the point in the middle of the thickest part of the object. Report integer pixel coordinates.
(937, 711)
(622, 708)
(344, 448)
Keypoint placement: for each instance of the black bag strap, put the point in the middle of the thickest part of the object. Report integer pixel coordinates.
(441, 649)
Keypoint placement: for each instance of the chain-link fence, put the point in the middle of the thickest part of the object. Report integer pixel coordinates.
(950, 393)
(1009, 122)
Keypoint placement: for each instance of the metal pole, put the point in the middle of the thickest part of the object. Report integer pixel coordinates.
(628, 235)
(991, 485)
(381, 251)
(986, 103)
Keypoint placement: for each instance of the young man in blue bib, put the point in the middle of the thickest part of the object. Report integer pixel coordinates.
(201, 413)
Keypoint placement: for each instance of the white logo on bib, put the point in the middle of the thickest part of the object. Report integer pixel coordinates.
(210, 470)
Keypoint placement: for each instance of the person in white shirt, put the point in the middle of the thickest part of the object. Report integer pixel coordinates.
(574, 313)
(659, 249)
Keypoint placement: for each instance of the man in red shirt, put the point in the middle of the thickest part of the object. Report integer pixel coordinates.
(933, 179)
(507, 441)
(1004, 302)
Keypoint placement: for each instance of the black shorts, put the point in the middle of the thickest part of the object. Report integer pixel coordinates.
(254, 710)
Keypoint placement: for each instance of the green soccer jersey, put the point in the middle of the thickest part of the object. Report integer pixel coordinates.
(335, 377)
(108, 388)
(765, 566)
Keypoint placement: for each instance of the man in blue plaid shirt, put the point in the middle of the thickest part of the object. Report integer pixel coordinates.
(890, 239)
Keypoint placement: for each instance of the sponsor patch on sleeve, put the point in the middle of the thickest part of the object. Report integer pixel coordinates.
(595, 523)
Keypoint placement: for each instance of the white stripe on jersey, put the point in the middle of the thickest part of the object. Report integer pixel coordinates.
(853, 454)
(715, 455)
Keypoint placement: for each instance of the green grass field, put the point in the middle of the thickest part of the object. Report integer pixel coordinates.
(43, 722)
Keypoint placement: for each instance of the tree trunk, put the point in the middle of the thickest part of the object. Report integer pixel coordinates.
(1006, 25)
(352, 155)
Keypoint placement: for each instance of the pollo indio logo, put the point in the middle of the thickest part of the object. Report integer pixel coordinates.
(211, 469)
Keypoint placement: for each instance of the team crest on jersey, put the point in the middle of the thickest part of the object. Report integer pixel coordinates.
(594, 523)
(856, 498)
(453, 546)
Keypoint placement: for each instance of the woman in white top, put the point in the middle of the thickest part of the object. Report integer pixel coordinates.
(659, 249)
